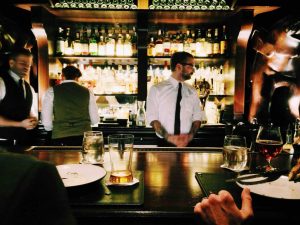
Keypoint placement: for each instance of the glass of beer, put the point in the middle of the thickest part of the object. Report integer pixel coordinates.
(269, 143)
(235, 153)
(92, 147)
(120, 152)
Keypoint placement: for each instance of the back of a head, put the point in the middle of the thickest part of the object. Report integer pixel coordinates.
(179, 57)
(71, 72)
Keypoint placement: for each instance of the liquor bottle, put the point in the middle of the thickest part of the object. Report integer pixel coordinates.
(186, 42)
(120, 45)
(166, 44)
(110, 45)
(77, 44)
(60, 42)
(93, 46)
(151, 47)
(179, 40)
(173, 45)
(216, 43)
(200, 45)
(159, 49)
(134, 41)
(193, 43)
(101, 46)
(84, 42)
(128, 45)
(68, 48)
(224, 42)
(209, 43)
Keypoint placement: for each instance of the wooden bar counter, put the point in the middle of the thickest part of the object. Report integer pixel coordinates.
(170, 187)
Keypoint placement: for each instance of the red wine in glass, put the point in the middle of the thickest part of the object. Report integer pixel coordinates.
(269, 144)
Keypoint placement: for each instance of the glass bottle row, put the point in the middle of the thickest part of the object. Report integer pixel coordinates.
(89, 40)
(199, 42)
(218, 77)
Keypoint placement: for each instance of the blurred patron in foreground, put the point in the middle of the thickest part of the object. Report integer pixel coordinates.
(31, 192)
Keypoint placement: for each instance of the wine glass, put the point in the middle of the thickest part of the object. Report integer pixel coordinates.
(269, 143)
(235, 153)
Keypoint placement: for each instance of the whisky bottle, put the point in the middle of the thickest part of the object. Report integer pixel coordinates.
(84, 42)
(151, 47)
(216, 43)
(209, 43)
(120, 46)
(77, 44)
(93, 46)
(166, 44)
(110, 45)
(68, 48)
(159, 49)
(200, 45)
(128, 45)
(224, 42)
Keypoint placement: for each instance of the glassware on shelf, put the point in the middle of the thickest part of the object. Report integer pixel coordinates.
(141, 114)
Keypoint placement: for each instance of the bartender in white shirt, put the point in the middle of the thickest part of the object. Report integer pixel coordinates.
(18, 100)
(173, 107)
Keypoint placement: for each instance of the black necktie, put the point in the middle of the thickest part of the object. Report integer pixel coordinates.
(177, 111)
(21, 87)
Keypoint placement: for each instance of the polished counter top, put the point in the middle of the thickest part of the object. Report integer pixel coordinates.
(170, 187)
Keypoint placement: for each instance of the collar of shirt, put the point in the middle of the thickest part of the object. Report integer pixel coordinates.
(68, 81)
(14, 76)
(174, 82)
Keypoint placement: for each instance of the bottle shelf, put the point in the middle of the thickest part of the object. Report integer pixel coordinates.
(116, 94)
(97, 60)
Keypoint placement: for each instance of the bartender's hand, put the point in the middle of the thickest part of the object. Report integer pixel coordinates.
(221, 209)
(181, 140)
(29, 123)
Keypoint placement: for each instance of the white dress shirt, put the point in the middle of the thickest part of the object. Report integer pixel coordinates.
(47, 108)
(34, 106)
(161, 105)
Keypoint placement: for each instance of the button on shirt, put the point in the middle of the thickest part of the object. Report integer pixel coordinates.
(47, 110)
(34, 107)
(161, 105)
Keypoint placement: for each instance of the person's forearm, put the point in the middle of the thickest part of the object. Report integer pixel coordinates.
(159, 129)
(9, 123)
(194, 128)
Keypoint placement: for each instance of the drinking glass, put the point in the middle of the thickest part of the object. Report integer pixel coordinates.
(120, 151)
(235, 153)
(269, 143)
(92, 147)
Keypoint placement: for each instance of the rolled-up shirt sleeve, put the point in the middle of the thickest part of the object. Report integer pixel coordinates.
(152, 106)
(47, 109)
(93, 109)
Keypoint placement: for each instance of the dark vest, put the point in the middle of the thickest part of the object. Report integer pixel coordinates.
(71, 110)
(14, 106)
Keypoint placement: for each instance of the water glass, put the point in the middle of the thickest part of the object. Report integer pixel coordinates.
(235, 153)
(92, 147)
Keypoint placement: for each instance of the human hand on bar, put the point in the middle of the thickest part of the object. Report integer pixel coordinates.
(29, 123)
(295, 171)
(221, 209)
(181, 140)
